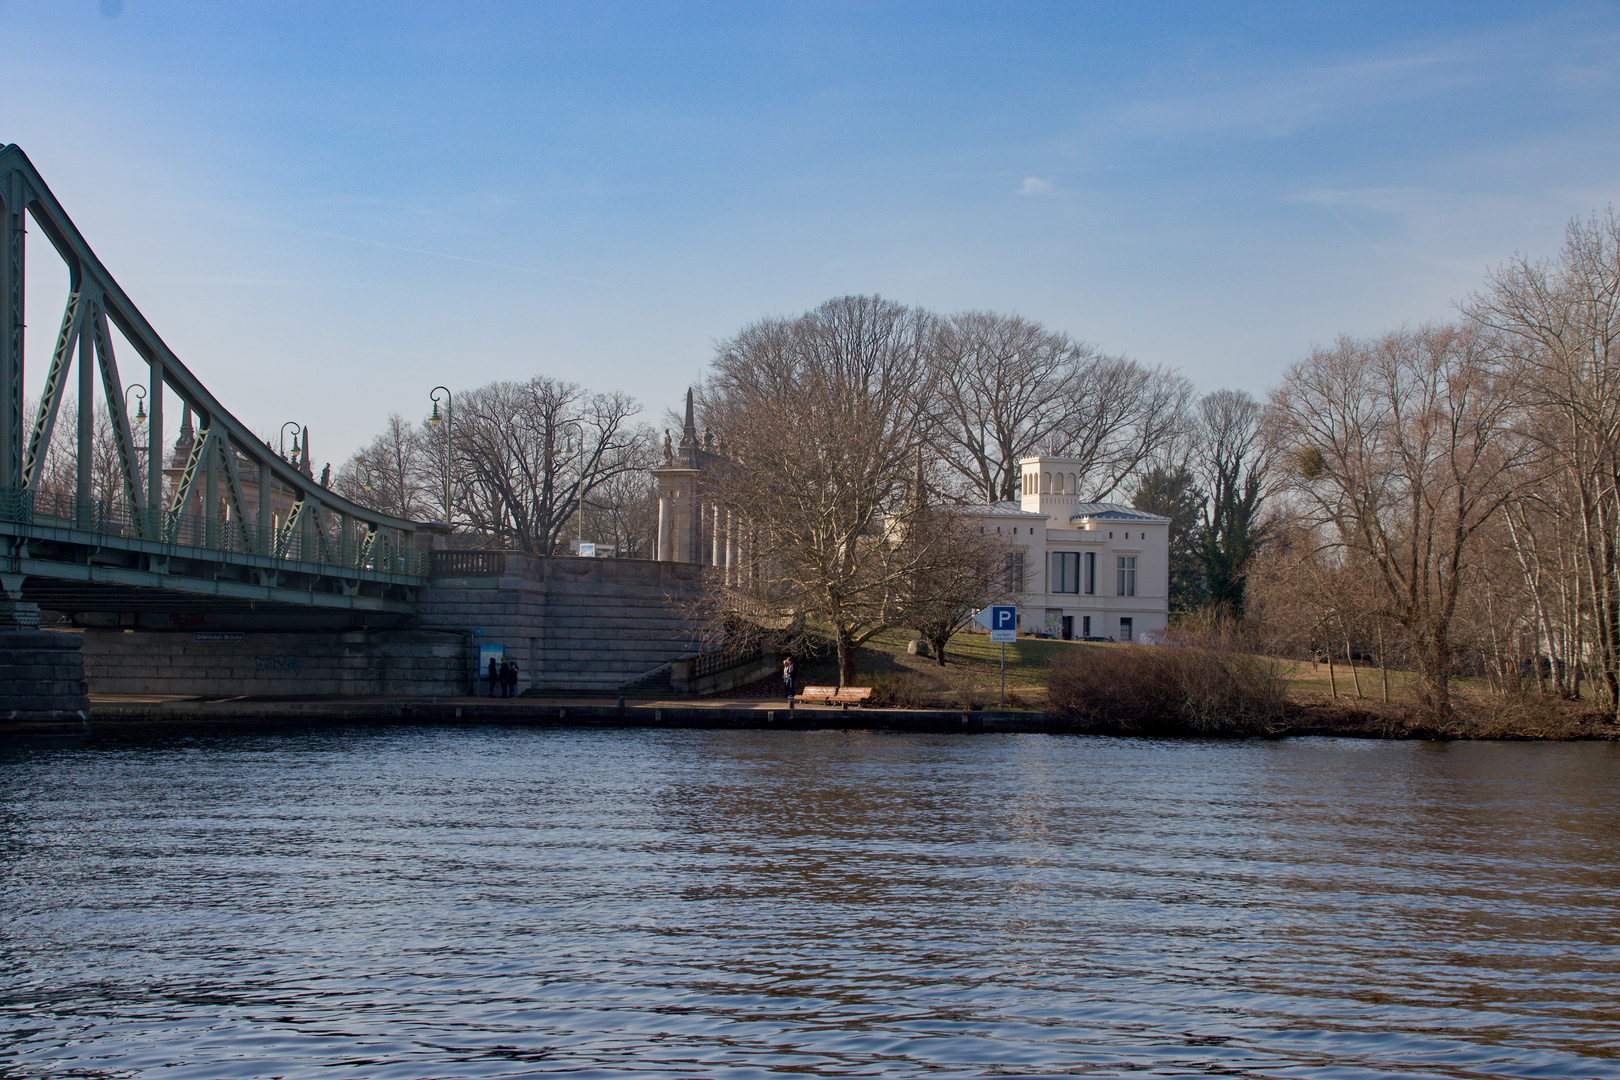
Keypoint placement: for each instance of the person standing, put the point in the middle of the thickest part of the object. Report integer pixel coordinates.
(511, 678)
(494, 673)
(787, 677)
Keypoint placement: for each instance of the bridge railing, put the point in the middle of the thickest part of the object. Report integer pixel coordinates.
(471, 563)
(383, 551)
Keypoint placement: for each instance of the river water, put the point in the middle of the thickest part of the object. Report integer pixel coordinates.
(435, 902)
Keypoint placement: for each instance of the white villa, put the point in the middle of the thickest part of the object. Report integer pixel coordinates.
(1078, 569)
(1082, 569)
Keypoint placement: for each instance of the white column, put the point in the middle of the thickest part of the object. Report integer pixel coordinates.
(666, 529)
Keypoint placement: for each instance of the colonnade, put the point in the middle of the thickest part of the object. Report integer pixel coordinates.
(691, 529)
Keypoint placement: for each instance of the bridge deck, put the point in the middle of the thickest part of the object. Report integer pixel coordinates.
(75, 570)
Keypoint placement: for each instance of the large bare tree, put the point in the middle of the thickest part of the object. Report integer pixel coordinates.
(1402, 445)
(1559, 322)
(820, 419)
(527, 454)
(1002, 380)
(1009, 387)
(1119, 415)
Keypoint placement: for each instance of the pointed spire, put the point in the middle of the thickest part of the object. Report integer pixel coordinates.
(182, 445)
(303, 464)
(689, 432)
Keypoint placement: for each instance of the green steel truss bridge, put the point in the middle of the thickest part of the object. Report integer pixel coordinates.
(228, 526)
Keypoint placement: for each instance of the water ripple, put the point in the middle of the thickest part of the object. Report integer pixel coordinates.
(496, 903)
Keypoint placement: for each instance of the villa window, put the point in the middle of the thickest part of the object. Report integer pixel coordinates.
(1065, 571)
(1127, 575)
(1091, 573)
(1013, 568)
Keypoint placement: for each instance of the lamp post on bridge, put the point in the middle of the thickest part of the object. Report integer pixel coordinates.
(433, 395)
(140, 414)
(282, 446)
(140, 406)
(140, 418)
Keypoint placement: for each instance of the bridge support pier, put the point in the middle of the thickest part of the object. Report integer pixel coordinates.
(41, 673)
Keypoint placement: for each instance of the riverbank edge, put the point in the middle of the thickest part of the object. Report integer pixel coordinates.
(1304, 720)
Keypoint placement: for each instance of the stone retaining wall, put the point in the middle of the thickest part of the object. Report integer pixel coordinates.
(573, 624)
(41, 675)
(376, 662)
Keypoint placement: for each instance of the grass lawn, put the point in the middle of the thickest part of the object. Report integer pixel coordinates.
(973, 665)
(1307, 680)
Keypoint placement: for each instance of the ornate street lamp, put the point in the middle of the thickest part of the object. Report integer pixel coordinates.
(433, 396)
(282, 448)
(140, 405)
(140, 417)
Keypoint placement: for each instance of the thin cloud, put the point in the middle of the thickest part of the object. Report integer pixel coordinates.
(1283, 103)
(1034, 185)
(422, 251)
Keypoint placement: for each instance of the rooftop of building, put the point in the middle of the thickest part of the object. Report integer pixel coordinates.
(1086, 511)
(1113, 512)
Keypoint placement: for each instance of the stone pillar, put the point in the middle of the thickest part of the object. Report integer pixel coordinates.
(719, 534)
(694, 530)
(666, 529)
(41, 673)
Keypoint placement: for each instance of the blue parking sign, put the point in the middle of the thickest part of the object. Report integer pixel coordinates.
(1002, 622)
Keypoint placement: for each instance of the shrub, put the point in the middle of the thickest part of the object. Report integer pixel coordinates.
(1180, 688)
(903, 691)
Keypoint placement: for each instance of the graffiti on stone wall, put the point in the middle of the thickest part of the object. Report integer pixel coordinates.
(277, 663)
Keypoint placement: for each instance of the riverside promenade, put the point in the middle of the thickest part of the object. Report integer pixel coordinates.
(116, 711)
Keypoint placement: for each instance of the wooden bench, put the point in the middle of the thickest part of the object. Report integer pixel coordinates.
(832, 695)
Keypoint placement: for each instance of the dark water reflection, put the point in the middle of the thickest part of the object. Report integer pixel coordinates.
(436, 903)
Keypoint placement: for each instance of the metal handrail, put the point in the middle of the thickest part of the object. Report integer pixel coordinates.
(378, 550)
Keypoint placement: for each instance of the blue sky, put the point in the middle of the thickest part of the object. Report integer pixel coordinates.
(328, 208)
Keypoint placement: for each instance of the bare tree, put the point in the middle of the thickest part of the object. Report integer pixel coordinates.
(623, 509)
(395, 473)
(1559, 322)
(957, 567)
(820, 418)
(528, 454)
(1003, 381)
(1401, 444)
(1118, 415)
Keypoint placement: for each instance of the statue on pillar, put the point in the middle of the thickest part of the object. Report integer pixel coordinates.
(669, 449)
